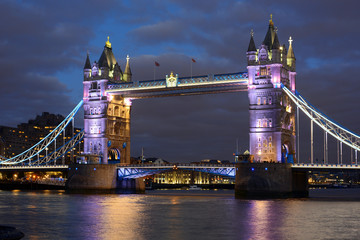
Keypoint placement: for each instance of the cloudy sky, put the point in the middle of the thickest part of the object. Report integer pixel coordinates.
(43, 47)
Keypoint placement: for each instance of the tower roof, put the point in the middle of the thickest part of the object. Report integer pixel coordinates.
(252, 47)
(87, 62)
(276, 44)
(107, 58)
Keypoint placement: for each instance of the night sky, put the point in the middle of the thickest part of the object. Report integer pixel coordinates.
(43, 47)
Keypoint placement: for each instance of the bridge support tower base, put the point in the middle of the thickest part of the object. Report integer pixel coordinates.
(269, 180)
(100, 178)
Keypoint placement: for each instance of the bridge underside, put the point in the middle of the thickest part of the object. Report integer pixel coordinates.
(143, 171)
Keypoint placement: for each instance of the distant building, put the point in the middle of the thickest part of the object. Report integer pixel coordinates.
(2, 147)
(179, 176)
(155, 161)
(15, 140)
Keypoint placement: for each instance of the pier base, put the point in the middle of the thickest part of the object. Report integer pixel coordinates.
(100, 178)
(269, 180)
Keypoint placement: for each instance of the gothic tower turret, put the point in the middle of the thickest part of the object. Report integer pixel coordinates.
(272, 115)
(106, 118)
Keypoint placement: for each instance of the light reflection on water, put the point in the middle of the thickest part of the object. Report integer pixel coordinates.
(180, 215)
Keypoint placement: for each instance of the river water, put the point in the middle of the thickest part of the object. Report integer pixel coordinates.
(327, 214)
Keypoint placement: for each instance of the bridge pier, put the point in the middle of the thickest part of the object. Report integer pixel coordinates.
(100, 178)
(269, 180)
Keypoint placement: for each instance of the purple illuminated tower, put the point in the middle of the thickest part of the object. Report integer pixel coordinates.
(106, 117)
(272, 114)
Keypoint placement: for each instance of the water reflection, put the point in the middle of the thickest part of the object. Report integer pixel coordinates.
(258, 213)
(175, 215)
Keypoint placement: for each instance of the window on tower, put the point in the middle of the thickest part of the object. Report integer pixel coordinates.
(264, 123)
(258, 123)
(94, 85)
(270, 100)
(258, 101)
(263, 71)
(264, 100)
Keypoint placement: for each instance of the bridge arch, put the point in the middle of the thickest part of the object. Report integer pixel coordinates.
(114, 154)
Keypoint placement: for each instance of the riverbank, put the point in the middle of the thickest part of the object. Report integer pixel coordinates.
(27, 185)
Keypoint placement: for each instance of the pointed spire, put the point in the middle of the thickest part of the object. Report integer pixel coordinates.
(252, 47)
(269, 37)
(127, 72)
(87, 62)
(107, 58)
(290, 53)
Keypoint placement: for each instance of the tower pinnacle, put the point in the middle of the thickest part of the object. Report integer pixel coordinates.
(290, 41)
(127, 72)
(252, 47)
(108, 43)
(271, 21)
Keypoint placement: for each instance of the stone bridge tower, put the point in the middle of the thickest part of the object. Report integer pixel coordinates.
(106, 117)
(272, 114)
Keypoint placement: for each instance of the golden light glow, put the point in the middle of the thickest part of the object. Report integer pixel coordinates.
(108, 44)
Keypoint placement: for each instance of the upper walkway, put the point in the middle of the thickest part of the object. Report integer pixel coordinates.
(218, 83)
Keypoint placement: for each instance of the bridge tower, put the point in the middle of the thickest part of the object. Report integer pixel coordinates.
(272, 114)
(106, 117)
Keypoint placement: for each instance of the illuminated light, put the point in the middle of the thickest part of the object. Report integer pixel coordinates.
(288, 109)
(76, 169)
(94, 169)
(108, 43)
(127, 101)
(266, 169)
(252, 169)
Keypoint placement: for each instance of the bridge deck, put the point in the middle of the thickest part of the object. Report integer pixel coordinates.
(217, 83)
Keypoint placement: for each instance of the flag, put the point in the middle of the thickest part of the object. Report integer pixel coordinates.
(157, 64)
(193, 60)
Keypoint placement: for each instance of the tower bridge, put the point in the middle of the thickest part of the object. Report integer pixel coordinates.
(274, 106)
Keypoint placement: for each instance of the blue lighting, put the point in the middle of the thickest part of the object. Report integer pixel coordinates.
(252, 169)
(76, 169)
(94, 169)
(266, 169)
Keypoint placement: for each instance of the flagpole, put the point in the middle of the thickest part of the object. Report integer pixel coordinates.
(191, 62)
(154, 72)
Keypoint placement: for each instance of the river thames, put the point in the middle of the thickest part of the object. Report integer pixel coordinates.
(172, 214)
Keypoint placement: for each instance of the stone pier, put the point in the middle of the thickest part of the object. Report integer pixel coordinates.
(269, 180)
(100, 178)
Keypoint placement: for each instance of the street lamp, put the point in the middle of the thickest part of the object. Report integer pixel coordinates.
(46, 149)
